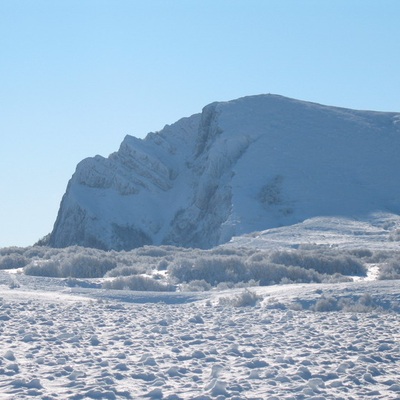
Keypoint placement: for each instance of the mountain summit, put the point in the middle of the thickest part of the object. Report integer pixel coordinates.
(238, 167)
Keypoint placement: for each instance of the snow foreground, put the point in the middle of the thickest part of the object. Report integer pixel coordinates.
(326, 341)
(246, 165)
(71, 338)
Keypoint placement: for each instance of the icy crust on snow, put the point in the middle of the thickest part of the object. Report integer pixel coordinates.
(242, 166)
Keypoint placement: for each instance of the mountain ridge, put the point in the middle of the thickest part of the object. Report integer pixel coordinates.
(240, 166)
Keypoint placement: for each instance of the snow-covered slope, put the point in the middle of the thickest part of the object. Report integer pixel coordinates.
(241, 166)
(379, 231)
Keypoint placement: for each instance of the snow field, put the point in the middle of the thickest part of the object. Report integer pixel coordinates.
(70, 338)
(97, 346)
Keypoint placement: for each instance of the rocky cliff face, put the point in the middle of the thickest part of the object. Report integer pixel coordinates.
(238, 167)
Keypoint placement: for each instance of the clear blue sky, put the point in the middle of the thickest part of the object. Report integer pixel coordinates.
(76, 76)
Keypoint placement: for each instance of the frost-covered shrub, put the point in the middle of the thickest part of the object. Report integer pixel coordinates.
(321, 262)
(225, 285)
(229, 251)
(269, 273)
(360, 253)
(36, 252)
(364, 303)
(257, 257)
(53, 253)
(13, 261)
(196, 286)
(238, 285)
(210, 269)
(381, 256)
(151, 251)
(390, 270)
(325, 304)
(247, 298)
(182, 270)
(219, 267)
(49, 268)
(230, 270)
(6, 251)
(250, 283)
(67, 264)
(138, 283)
(354, 304)
(162, 265)
(85, 266)
(335, 278)
(75, 282)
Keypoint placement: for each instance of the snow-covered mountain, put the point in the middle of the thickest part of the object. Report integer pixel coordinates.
(241, 166)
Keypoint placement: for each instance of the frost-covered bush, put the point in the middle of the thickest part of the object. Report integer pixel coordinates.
(76, 266)
(364, 303)
(247, 298)
(354, 304)
(238, 285)
(229, 251)
(151, 251)
(196, 286)
(83, 262)
(264, 268)
(259, 256)
(162, 265)
(360, 253)
(210, 269)
(49, 268)
(382, 256)
(221, 267)
(325, 304)
(13, 261)
(322, 262)
(390, 270)
(335, 278)
(138, 283)
(36, 252)
(231, 270)
(75, 282)
(269, 273)
(85, 266)
(6, 251)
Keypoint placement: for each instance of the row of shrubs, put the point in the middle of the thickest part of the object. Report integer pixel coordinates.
(76, 266)
(195, 268)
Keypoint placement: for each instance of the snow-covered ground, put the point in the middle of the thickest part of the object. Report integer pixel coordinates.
(377, 231)
(298, 341)
(75, 343)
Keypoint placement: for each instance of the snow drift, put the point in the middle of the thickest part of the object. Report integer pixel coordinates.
(246, 165)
